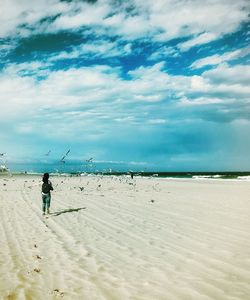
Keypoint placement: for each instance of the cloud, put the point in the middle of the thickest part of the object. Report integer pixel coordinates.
(125, 80)
(218, 59)
(19, 18)
(237, 76)
(93, 99)
(157, 121)
(80, 14)
(164, 53)
(95, 49)
(205, 21)
(162, 20)
(5, 49)
(203, 38)
(98, 109)
(200, 101)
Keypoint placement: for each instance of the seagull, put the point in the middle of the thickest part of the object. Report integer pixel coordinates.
(62, 159)
(89, 160)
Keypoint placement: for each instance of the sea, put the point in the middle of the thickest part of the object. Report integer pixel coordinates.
(77, 168)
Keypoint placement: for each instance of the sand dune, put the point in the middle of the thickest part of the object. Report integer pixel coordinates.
(113, 238)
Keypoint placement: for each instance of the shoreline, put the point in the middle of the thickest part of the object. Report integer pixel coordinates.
(227, 176)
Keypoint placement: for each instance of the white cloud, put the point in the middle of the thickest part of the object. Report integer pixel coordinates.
(90, 99)
(132, 27)
(218, 59)
(128, 119)
(203, 38)
(206, 20)
(199, 101)
(160, 20)
(198, 83)
(81, 14)
(98, 48)
(148, 98)
(15, 14)
(164, 53)
(234, 75)
(24, 128)
(95, 102)
(157, 121)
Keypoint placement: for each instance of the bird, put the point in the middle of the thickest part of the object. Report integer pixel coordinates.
(62, 159)
(48, 153)
(89, 160)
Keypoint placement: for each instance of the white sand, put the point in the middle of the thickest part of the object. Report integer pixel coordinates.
(112, 242)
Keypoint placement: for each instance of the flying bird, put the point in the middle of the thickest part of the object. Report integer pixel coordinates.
(62, 159)
(47, 154)
(90, 159)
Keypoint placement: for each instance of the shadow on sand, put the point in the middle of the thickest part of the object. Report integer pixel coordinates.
(67, 211)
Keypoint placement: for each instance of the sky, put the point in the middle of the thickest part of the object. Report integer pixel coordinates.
(162, 83)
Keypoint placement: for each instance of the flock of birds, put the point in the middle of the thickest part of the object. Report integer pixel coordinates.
(3, 166)
(62, 160)
(88, 163)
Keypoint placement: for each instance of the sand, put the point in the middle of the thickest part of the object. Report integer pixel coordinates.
(114, 238)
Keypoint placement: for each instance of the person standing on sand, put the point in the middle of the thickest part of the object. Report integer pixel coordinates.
(46, 196)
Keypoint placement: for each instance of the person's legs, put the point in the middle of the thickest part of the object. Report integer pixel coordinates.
(44, 203)
(48, 203)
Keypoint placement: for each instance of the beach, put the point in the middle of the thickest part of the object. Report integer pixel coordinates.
(111, 237)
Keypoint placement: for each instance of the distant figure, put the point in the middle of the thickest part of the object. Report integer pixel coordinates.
(46, 188)
(132, 175)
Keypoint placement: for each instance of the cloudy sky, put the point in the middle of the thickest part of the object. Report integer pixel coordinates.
(164, 82)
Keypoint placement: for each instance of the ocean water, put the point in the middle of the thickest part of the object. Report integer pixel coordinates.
(76, 168)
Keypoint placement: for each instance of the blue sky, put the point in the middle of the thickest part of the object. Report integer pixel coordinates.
(163, 83)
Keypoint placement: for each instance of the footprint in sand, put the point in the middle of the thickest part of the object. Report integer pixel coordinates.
(37, 270)
(58, 293)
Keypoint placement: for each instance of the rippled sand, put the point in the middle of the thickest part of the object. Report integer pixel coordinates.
(114, 238)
